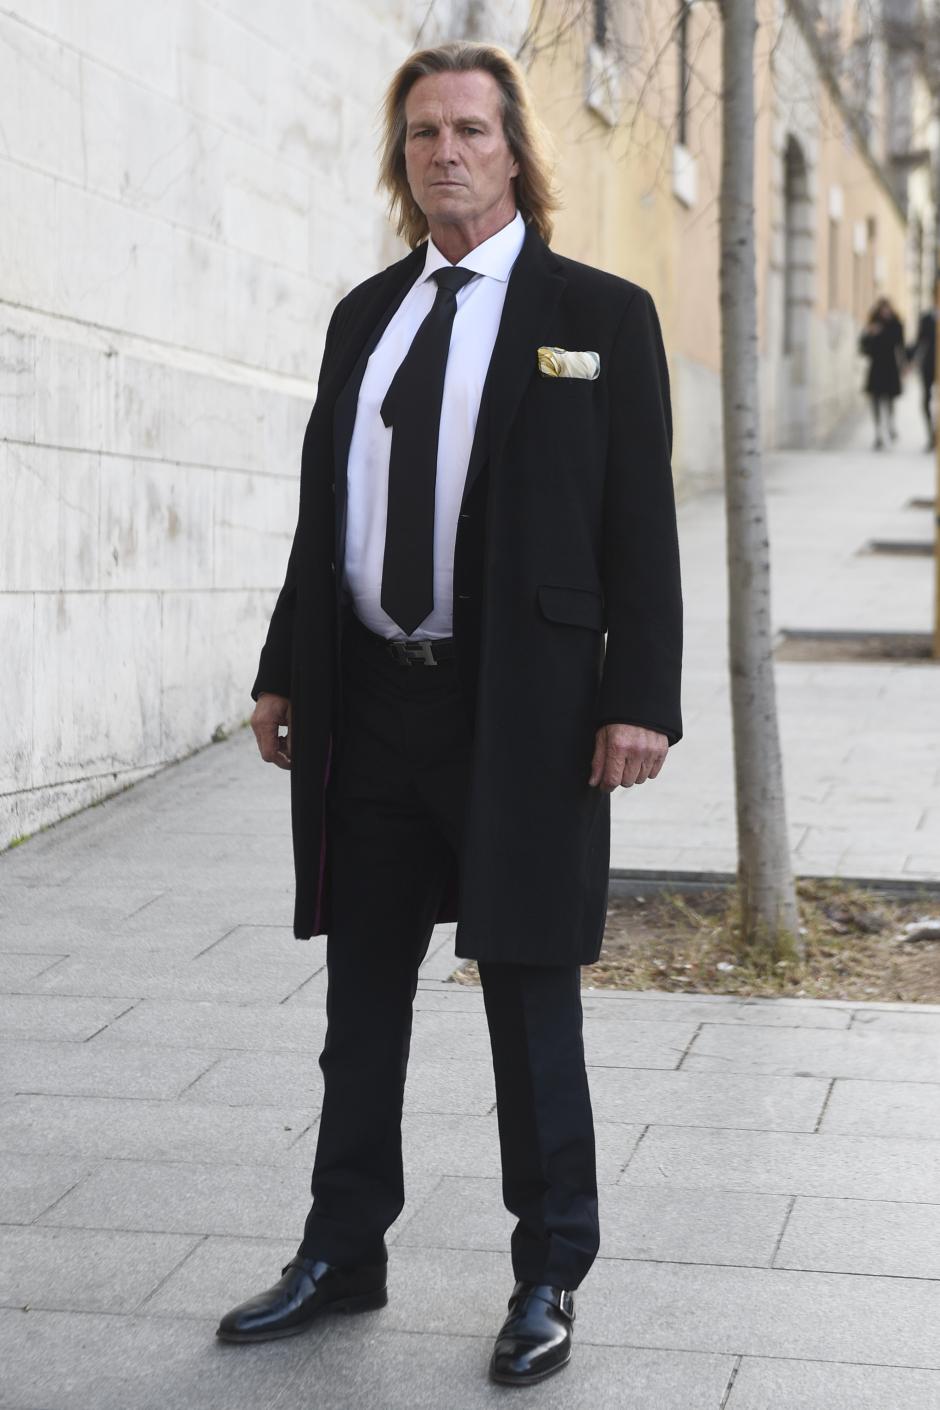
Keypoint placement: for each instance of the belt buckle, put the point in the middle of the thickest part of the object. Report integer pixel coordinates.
(410, 652)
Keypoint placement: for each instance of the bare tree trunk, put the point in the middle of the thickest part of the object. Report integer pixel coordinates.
(767, 894)
(935, 295)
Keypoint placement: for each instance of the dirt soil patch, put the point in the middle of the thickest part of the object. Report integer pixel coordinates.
(688, 944)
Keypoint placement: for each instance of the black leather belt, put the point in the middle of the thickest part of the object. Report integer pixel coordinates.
(406, 653)
(421, 653)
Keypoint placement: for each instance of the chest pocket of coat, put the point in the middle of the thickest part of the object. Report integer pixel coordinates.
(576, 607)
(563, 421)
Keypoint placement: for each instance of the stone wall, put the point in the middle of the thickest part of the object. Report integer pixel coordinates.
(187, 189)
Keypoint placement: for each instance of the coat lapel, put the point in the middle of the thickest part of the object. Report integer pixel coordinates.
(370, 324)
(535, 286)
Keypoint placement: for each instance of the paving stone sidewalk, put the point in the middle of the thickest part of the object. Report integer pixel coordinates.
(861, 740)
(769, 1171)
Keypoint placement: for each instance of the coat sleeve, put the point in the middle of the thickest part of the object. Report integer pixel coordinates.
(274, 667)
(640, 564)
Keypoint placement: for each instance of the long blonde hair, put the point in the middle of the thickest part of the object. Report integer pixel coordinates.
(536, 197)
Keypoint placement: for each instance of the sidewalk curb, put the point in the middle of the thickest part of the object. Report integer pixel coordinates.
(627, 881)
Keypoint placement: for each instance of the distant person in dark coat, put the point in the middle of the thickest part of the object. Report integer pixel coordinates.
(924, 352)
(882, 342)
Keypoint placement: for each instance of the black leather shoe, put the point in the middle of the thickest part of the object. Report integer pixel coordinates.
(535, 1339)
(308, 1287)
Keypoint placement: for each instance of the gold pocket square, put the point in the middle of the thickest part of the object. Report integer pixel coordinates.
(557, 362)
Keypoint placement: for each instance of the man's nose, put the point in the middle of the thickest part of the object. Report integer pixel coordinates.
(444, 148)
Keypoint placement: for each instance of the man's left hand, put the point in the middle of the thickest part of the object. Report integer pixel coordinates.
(625, 755)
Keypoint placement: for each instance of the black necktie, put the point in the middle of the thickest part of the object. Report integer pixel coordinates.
(412, 407)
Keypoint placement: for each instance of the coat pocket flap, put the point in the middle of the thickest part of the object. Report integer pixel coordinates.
(578, 607)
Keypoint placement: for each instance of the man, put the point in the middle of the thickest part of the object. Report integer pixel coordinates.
(923, 351)
(470, 523)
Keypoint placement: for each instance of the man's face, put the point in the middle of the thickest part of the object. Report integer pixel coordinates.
(459, 165)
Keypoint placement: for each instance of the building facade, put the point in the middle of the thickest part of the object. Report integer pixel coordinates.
(845, 190)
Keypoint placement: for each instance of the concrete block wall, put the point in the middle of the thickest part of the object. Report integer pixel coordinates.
(187, 189)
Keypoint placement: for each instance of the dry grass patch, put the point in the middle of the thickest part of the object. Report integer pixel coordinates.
(691, 944)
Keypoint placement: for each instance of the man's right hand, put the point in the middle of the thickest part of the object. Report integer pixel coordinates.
(269, 713)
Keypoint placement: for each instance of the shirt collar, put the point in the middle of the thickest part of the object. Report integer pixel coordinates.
(495, 257)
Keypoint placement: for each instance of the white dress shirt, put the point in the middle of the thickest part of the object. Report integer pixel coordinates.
(476, 323)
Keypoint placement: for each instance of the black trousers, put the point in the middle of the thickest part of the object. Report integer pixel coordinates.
(395, 811)
(926, 403)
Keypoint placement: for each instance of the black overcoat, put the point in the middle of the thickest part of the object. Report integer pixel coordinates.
(567, 530)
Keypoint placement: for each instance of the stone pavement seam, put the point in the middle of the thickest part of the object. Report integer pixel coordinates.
(211, 946)
(304, 1133)
(840, 1361)
(635, 1148)
(137, 910)
(688, 1047)
(130, 1008)
(403, 1221)
(43, 1213)
(219, 1057)
(310, 980)
(823, 1109)
(731, 1380)
(167, 1276)
(782, 1230)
